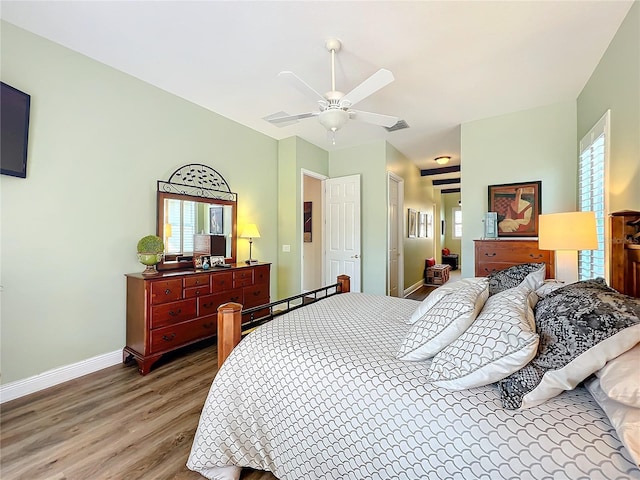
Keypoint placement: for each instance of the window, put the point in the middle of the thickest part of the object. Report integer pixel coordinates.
(181, 215)
(457, 223)
(592, 193)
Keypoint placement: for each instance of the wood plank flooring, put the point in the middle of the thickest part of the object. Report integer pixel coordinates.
(115, 423)
(112, 424)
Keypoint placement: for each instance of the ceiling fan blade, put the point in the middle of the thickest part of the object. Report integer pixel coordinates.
(371, 85)
(281, 119)
(374, 118)
(300, 85)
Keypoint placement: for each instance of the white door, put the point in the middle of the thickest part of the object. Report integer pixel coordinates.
(342, 232)
(395, 285)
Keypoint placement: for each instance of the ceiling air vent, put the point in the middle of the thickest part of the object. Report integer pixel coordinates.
(400, 125)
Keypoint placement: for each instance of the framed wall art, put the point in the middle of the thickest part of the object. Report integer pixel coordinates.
(307, 221)
(216, 218)
(517, 207)
(422, 224)
(412, 223)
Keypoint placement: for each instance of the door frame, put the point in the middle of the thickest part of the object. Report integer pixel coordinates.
(400, 240)
(310, 173)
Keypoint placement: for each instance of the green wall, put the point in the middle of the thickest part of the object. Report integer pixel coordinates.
(99, 141)
(615, 85)
(294, 155)
(532, 145)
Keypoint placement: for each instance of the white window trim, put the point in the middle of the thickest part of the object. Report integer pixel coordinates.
(453, 222)
(602, 126)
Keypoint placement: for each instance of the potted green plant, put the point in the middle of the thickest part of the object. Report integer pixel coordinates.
(150, 252)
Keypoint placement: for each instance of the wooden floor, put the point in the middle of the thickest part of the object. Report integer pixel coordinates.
(112, 424)
(115, 423)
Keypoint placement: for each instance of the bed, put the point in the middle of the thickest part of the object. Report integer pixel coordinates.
(320, 393)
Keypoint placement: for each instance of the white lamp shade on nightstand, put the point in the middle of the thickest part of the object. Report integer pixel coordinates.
(250, 230)
(567, 233)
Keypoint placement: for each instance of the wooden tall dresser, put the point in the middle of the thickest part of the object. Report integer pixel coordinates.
(624, 262)
(492, 255)
(174, 309)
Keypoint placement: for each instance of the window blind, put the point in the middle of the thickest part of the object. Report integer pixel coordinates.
(592, 194)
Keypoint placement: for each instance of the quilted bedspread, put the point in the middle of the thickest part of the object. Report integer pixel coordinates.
(319, 394)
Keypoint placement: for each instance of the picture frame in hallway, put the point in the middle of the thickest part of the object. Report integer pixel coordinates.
(412, 223)
(307, 221)
(422, 224)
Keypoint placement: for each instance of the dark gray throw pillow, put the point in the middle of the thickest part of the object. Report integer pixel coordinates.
(571, 321)
(514, 276)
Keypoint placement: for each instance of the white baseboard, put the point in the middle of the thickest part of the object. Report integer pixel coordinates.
(413, 288)
(47, 379)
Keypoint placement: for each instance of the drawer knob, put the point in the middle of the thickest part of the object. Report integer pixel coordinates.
(167, 291)
(234, 299)
(176, 313)
(535, 256)
(208, 325)
(207, 305)
(168, 338)
(490, 254)
(256, 293)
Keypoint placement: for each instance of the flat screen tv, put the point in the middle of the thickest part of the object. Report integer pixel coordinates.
(14, 131)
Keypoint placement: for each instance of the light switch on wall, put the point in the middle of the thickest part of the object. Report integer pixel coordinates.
(286, 248)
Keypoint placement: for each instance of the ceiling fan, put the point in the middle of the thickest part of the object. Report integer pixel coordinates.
(334, 106)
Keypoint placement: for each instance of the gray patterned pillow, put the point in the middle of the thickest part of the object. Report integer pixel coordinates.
(531, 273)
(582, 326)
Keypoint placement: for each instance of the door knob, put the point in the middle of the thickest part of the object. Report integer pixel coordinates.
(355, 256)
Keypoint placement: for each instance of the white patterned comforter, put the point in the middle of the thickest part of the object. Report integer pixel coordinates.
(319, 394)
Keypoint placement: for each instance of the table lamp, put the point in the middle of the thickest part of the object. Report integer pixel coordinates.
(250, 231)
(566, 233)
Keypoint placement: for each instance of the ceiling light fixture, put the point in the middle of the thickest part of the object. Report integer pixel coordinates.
(442, 160)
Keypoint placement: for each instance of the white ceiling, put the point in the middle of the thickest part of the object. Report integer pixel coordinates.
(453, 61)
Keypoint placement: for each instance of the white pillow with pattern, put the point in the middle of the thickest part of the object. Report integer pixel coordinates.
(443, 322)
(441, 292)
(501, 341)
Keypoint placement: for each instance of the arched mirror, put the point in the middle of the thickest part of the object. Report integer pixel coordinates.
(196, 216)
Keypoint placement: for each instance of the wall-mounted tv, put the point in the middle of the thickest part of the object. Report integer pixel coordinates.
(14, 130)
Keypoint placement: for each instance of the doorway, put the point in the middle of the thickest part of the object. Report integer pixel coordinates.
(312, 230)
(395, 255)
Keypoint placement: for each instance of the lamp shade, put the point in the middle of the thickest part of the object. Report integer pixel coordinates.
(567, 231)
(250, 231)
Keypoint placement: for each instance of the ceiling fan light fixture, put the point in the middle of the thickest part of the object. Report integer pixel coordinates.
(333, 119)
(442, 160)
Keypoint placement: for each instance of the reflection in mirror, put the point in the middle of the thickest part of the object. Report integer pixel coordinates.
(192, 225)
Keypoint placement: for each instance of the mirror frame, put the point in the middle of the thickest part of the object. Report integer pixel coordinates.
(197, 183)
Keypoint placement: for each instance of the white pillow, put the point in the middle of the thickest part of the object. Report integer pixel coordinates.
(620, 378)
(443, 322)
(548, 287)
(501, 341)
(625, 419)
(439, 293)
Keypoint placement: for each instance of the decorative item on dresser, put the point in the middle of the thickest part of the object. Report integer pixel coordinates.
(624, 263)
(492, 255)
(175, 309)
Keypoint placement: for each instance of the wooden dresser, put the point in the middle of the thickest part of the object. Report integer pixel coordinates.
(173, 309)
(491, 255)
(624, 262)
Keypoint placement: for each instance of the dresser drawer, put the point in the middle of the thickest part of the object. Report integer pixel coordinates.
(209, 305)
(174, 312)
(196, 281)
(261, 274)
(164, 291)
(168, 338)
(255, 295)
(197, 291)
(221, 282)
(513, 255)
(243, 277)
